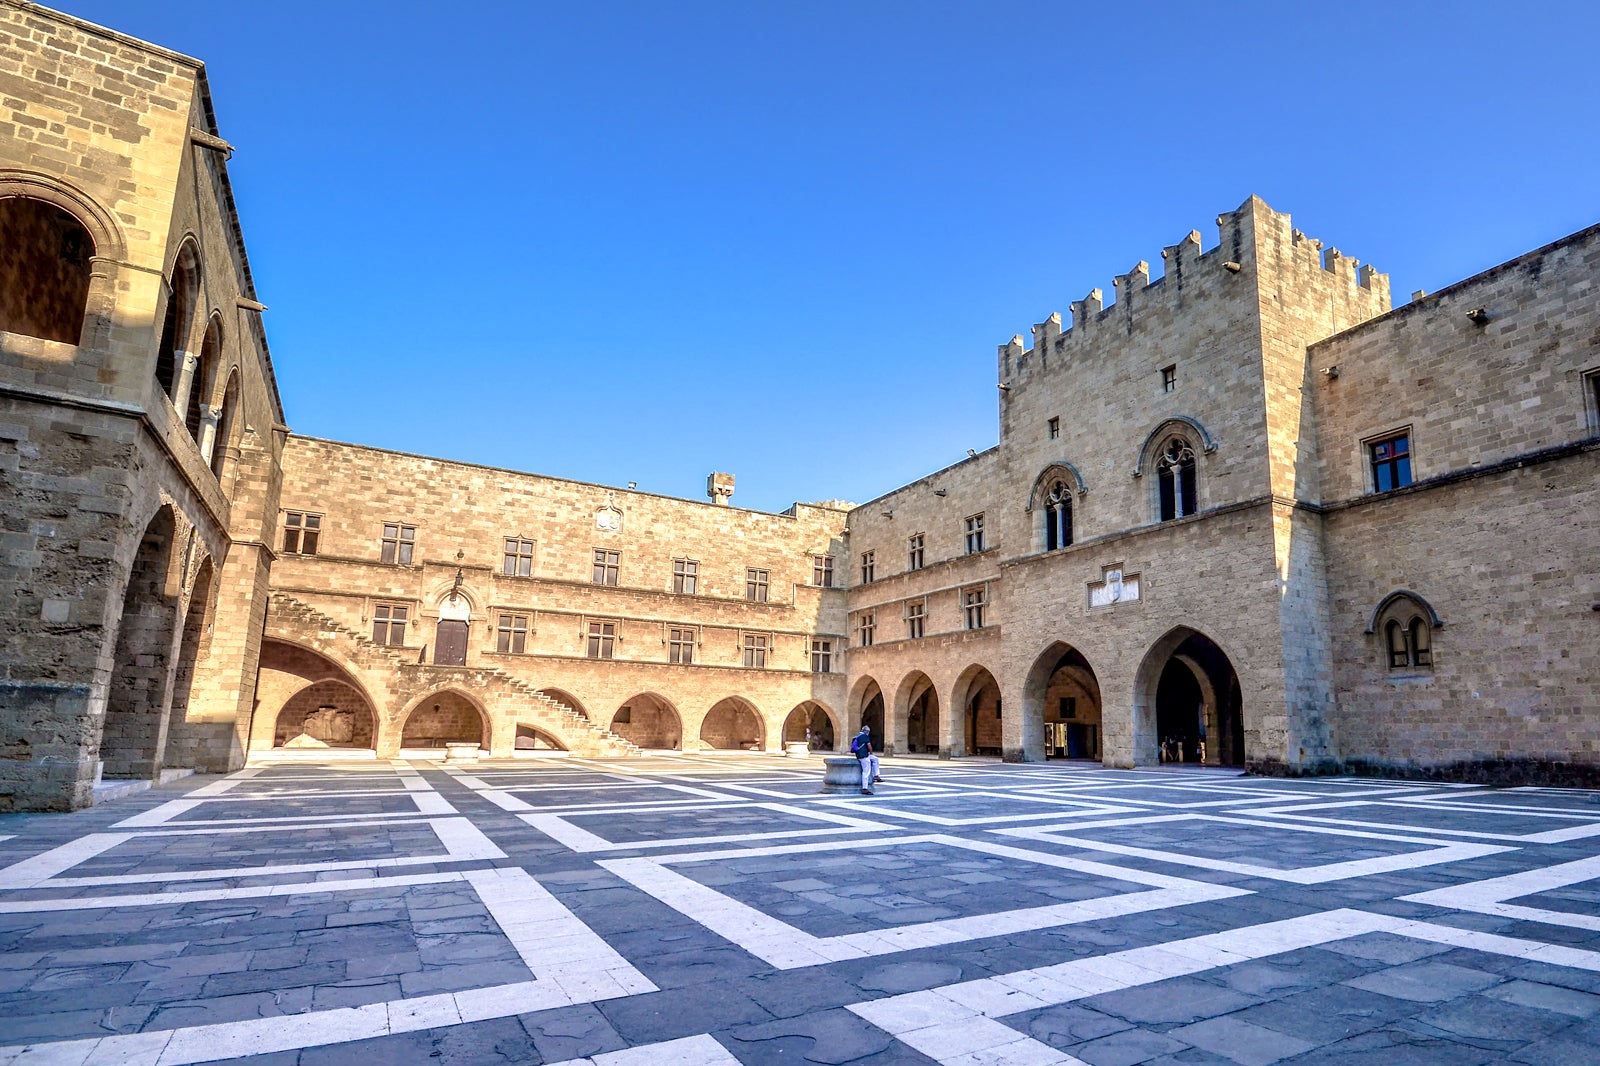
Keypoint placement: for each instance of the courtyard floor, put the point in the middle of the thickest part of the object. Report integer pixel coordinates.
(702, 910)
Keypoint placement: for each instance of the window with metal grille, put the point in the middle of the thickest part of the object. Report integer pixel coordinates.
(398, 542)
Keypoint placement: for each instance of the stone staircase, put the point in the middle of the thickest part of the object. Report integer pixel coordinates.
(501, 693)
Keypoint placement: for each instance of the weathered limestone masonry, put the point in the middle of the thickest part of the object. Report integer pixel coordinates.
(411, 590)
(139, 421)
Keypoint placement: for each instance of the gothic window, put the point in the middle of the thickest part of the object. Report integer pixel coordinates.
(1058, 517)
(1406, 627)
(1177, 482)
(301, 531)
(389, 623)
(518, 557)
(512, 634)
(44, 270)
(398, 543)
(685, 576)
(606, 565)
(1391, 462)
(755, 585)
(680, 646)
(915, 551)
(822, 571)
(974, 534)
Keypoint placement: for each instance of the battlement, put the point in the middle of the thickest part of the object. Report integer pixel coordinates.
(1258, 251)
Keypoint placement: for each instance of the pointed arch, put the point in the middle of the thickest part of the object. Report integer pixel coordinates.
(1182, 425)
(444, 716)
(649, 720)
(1058, 470)
(1398, 595)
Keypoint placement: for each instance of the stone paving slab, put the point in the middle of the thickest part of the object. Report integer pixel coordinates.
(714, 910)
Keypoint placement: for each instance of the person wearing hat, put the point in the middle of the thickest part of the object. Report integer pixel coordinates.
(861, 748)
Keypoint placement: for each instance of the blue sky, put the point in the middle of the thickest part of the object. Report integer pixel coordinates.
(640, 241)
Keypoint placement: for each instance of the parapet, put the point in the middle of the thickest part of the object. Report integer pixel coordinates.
(1253, 240)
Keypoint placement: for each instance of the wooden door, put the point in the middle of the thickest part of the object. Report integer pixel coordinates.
(450, 645)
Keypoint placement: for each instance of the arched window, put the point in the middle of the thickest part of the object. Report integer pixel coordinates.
(175, 329)
(1175, 468)
(223, 440)
(44, 270)
(1406, 623)
(1058, 517)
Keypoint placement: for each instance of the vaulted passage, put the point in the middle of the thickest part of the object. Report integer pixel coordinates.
(1190, 707)
(920, 727)
(134, 736)
(444, 718)
(328, 714)
(732, 725)
(981, 715)
(650, 722)
(44, 270)
(810, 723)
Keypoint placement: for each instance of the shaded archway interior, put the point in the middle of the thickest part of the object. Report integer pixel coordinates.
(1199, 708)
(45, 258)
(648, 721)
(810, 724)
(313, 701)
(981, 715)
(1071, 706)
(444, 718)
(732, 725)
(134, 731)
(922, 716)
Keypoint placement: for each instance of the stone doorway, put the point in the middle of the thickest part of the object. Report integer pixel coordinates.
(1190, 705)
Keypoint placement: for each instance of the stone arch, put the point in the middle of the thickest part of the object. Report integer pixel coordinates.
(46, 262)
(572, 702)
(174, 362)
(530, 738)
(916, 716)
(444, 716)
(192, 650)
(224, 442)
(867, 707)
(1172, 451)
(134, 730)
(1052, 507)
(1187, 703)
(205, 372)
(827, 732)
(1181, 425)
(105, 233)
(649, 720)
(733, 724)
(1405, 623)
(293, 679)
(975, 717)
(1062, 704)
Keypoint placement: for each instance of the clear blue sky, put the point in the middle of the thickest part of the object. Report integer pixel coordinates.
(639, 241)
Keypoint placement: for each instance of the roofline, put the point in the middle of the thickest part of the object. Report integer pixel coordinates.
(106, 31)
(926, 477)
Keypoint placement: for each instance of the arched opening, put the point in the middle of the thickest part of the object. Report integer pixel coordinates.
(1406, 623)
(444, 718)
(181, 302)
(192, 651)
(733, 725)
(980, 711)
(649, 721)
(303, 693)
(567, 700)
(135, 728)
(869, 705)
(222, 443)
(1188, 704)
(1065, 694)
(916, 716)
(450, 638)
(531, 739)
(45, 255)
(200, 388)
(1175, 472)
(328, 714)
(811, 724)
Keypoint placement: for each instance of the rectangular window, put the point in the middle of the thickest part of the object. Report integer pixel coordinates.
(916, 617)
(822, 571)
(602, 640)
(1391, 462)
(868, 568)
(755, 649)
(680, 646)
(685, 576)
(512, 634)
(755, 585)
(301, 531)
(518, 557)
(914, 552)
(1169, 378)
(605, 568)
(822, 656)
(974, 534)
(973, 602)
(398, 541)
(866, 628)
(1591, 382)
(389, 624)
(1055, 428)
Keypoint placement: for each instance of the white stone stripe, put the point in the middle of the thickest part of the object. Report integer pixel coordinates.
(205, 895)
(581, 840)
(45, 865)
(233, 780)
(1489, 896)
(689, 1051)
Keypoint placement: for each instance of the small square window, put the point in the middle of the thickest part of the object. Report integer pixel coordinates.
(685, 576)
(389, 624)
(822, 656)
(974, 534)
(755, 650)
(1055, 428)
(914, 551)
(398, 542)
(602, 640)
(518, 560)
(755, 585)
(680, 646)
(605, 568)
(1169, 378)
(301, 531)
(511, 635)
(1391, 462)
(822, 571)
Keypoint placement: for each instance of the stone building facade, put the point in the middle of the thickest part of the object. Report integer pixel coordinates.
(140, 426)
(1243, 514)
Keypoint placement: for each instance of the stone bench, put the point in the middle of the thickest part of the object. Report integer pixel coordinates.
(843, 773)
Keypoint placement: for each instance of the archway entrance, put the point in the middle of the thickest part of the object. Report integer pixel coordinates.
(811, 724)
(917, 717)
(871, 712)
(1190, 708)
(328, 714)
(182, 739)
(650, 722)
(732, 725)
(444, 718)
(1066, 692)
(531, 739)
(135, 730)
(982, 716)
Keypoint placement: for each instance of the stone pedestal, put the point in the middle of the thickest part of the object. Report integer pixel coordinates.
(843, 774)
(463, 752)
(796, 749)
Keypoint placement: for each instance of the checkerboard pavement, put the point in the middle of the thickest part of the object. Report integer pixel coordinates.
(721, 909)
